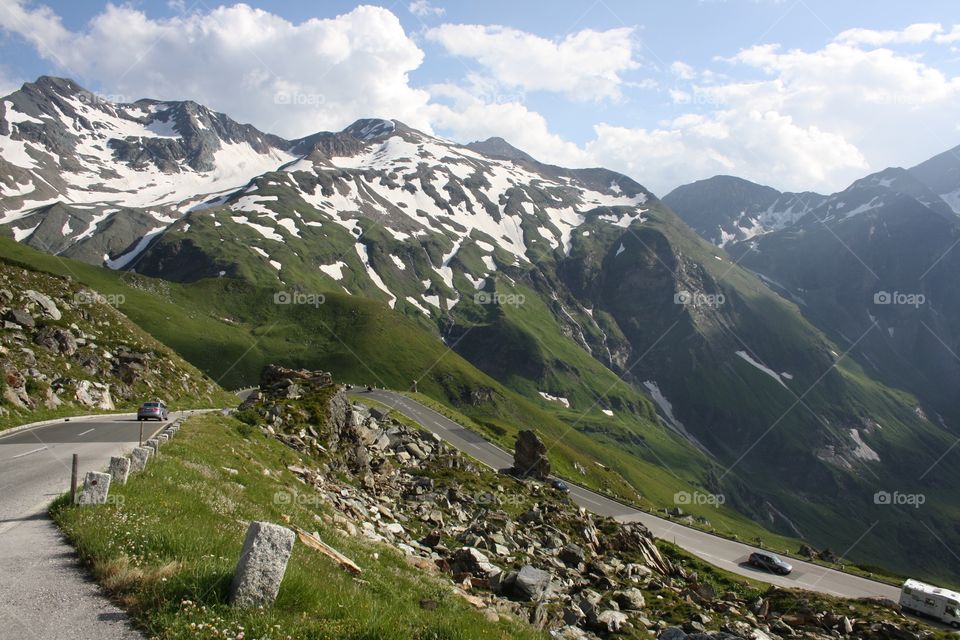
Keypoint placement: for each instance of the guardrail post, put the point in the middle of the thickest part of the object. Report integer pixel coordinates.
(73, 479)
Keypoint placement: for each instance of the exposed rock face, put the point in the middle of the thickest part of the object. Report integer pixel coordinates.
(62, 346)
(275, 377)
(94, 394)
(530, 456)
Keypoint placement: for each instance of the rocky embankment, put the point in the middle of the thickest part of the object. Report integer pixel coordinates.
(511, 544)
(64, 349)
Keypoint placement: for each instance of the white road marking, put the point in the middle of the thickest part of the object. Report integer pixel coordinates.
(85, 432)
(29, 453)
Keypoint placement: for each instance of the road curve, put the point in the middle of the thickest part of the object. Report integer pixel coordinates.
(44, 593)
(718, 551)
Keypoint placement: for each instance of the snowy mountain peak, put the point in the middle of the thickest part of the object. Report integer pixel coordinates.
(497, 147)
(370, 128)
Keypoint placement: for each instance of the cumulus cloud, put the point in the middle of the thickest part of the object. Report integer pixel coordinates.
(292, 79)
(816, 120)
(467, 117)
(423, 9)
(765, 146)
(913, 34)
(586, 66)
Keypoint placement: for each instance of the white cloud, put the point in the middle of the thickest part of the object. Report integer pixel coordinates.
(952, 36)
(913, 34)
(682, 70)
(586, 66)
(764, 146)
(287, 78)
(468, 118)
(423, 9)
(817, 120)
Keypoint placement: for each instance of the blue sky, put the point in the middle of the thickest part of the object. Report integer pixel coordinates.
(798, 94)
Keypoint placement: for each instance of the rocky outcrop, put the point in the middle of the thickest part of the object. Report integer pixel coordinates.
(63, 346)
(509, 544)
(530, 456)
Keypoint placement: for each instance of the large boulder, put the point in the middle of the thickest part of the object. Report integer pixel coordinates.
(20, 317)
(276, 377)
(94, 394)
(56, 340)
(531, 583)
(530, 456)
(47, 305)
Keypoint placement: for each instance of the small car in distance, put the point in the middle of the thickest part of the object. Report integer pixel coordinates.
(769, 562)
(153, 411)
(560, 485)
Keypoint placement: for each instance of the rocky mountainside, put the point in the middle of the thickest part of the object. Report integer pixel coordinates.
(88, 178)
(515, 546)
(578, 289)
(65, 350)
(725, 209)
(941, 174)
(874, 267)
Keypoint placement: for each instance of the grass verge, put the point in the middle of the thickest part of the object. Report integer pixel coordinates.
(167, 546)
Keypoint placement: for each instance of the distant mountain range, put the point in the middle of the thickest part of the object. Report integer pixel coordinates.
(576, 288)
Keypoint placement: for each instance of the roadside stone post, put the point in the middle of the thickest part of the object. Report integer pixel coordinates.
(138, 459)
(154, 444)
(262, 564)
(119, 469)
(96, 488)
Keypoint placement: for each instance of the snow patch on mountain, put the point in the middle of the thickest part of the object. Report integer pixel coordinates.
(762, 367)
(861, 449)
(552, 398)
(364, 254)
(334, 270)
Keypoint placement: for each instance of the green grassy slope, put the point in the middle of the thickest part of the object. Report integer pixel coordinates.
(231, 328)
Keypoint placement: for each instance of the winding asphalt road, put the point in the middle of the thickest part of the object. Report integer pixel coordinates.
(44, 592)
(46, 595)
(718, 551)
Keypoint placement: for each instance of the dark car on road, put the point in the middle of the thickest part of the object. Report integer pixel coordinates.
(153, 411)
(769, 562)
(560, 485)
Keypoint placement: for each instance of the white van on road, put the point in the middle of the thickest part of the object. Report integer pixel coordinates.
(934, 602)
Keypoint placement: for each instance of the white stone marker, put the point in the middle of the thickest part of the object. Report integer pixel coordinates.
(262, 564)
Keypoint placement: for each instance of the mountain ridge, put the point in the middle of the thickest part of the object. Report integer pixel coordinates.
(575, 288)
